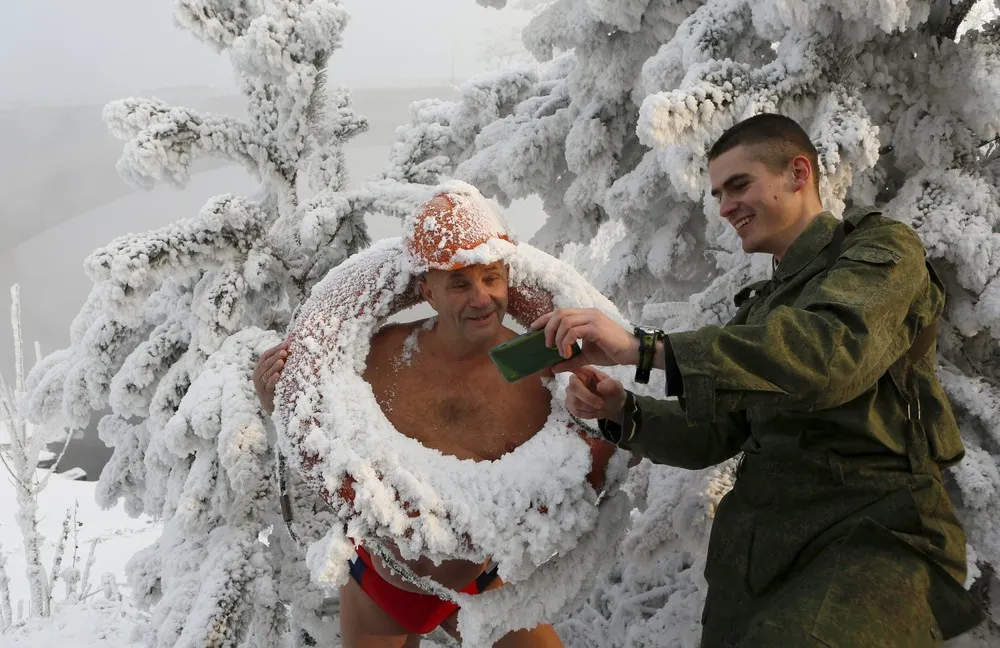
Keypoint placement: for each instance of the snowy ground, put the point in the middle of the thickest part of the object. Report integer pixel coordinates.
(104, 619)
(98, 620)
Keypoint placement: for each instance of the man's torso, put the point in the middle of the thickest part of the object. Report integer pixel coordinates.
(462, 408)
(875, 421)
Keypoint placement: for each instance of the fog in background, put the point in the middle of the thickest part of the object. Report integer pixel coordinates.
(60, 195)
(54, 51)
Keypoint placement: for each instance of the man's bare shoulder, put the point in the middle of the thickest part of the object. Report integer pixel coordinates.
(395, 331)
(394, 341)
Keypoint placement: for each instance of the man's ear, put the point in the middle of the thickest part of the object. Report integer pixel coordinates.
(425, 289)
(802, 172)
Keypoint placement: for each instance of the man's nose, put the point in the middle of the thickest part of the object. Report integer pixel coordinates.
(480, 295)
(728, 206)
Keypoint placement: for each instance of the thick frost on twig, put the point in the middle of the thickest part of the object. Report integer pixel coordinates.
(22, 447)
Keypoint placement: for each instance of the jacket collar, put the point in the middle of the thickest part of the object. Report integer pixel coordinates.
(807, 246)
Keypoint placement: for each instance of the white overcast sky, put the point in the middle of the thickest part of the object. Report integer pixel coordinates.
(67, 50)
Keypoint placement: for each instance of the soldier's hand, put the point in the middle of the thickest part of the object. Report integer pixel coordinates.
(595, 395)
(603, 342)
(266, 374)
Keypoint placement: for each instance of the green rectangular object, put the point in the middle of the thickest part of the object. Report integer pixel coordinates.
(525, 355)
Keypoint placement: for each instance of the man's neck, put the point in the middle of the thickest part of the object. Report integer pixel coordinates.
(805, 218)
(448, 344)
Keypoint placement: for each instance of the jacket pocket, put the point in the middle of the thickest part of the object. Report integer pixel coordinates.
(860, 274)
(871, 254)
(729, 542)
(879, 594)
(794, 534)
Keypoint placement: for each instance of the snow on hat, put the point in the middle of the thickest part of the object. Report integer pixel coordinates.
(455, 229)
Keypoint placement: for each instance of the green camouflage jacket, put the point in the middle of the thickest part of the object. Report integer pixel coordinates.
(803, 363)
(812, 379)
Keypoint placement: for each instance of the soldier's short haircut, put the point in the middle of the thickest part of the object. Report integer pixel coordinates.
(774, 140)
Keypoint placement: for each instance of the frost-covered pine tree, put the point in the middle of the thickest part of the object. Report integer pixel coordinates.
(177, 318)
(612, 134)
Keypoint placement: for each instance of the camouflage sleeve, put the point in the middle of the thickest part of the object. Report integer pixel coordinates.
(833, 343)
(659, 430)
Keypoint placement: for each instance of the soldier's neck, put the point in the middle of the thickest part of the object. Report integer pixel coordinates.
(790, 234)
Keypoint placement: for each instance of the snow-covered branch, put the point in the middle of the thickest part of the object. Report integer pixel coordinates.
(163, 141)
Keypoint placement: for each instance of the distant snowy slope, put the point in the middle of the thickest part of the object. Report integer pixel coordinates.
(59, 161)
(49, 266)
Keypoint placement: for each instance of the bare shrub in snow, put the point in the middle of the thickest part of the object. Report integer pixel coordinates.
(22, 448)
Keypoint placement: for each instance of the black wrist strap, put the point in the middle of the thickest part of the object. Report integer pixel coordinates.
(624, 432)
(647, 352)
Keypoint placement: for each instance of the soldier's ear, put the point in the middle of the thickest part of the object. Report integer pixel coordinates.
(802, 172)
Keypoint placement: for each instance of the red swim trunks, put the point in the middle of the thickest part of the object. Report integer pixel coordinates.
(418, 613)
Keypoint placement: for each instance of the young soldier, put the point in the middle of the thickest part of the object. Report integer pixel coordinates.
(838, 531)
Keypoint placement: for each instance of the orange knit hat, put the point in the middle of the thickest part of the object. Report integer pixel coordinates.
(455, 229)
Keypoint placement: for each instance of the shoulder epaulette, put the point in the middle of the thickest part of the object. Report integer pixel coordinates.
(854, 215)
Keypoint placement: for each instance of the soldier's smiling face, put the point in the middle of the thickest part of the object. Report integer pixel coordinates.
(759, 201)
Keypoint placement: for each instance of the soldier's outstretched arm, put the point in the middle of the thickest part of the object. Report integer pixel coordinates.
(649, 427)
(840, 336)
(659, 430)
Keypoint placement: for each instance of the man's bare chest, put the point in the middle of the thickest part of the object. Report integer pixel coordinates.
(470, 417)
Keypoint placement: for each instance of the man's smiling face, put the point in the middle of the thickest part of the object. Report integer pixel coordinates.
(756, 200)
(472, 299)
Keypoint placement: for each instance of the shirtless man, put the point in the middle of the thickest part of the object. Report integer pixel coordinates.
(378, 609)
